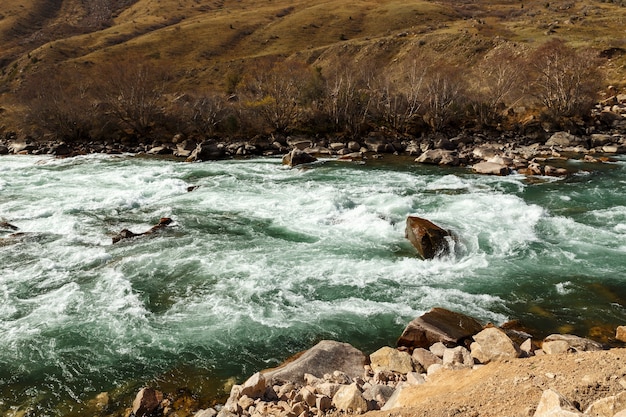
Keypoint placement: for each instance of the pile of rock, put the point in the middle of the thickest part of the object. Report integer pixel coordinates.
(335, 376)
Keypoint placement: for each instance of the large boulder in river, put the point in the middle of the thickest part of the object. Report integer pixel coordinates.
(324, 358)
(438, 157)
(298, 157)
(207, 151)
(439, 325)
(428, 238)
(490, 168)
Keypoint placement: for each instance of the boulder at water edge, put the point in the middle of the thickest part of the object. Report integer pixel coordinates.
(146, 402)
(428, 238)
(439, 325)
(490, 168)
(492, 344)
(298, 157)
(207, 151)
(324, 358)
(561, 343)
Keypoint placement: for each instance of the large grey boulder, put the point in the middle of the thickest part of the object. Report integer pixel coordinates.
(428, 238)
(324, 358)
(561, 343)
(564, 139)
(438, 157)
(439, 325)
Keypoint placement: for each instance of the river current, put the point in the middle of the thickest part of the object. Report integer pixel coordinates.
(263, 261)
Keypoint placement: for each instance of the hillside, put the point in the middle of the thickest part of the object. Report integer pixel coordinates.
(202, 39)
(204, 45)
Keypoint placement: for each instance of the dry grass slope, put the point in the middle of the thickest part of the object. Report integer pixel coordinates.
(201, 41)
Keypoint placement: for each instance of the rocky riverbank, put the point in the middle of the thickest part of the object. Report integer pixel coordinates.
(444, 364)
(531, 148)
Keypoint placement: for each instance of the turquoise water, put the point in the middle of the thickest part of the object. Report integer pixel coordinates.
(264, 261)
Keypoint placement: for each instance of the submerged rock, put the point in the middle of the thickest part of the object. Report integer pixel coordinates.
(428, 238)
(7, 225)
(127, 234)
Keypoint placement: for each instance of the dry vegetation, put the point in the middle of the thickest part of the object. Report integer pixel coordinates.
(224, 67)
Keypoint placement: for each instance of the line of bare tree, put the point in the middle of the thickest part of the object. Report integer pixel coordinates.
(420, 92)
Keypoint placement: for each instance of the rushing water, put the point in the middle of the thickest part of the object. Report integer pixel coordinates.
(264, 261)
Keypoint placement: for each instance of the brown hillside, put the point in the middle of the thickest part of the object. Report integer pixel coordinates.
(201, 41)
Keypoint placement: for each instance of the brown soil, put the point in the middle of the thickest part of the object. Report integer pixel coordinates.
(514, 387)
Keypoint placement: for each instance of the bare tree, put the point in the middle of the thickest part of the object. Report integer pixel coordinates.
(131, 92)
(399, 93)
(276, 91)
(349, 99)
(445, 95)
(500, 83)
(564, 80)
(202, 115)
(60, 105)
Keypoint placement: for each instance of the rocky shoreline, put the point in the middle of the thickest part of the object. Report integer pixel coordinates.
(531, 148)
(334, 378)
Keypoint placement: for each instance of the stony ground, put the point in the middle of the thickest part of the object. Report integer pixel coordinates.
(513, 388)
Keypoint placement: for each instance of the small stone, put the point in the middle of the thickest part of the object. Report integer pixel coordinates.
(492, 344)
(323, 403)
(255, 386)
(425, 357)
(209, 412)
(245, 402)
(555, 347)
(620, 333)
(434, 368)
(414, 378)
(550, 375)
(608, 406)
(299, 408)
(438, 349)
(457, 358)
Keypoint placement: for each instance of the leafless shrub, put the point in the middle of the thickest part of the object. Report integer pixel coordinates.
(564, 80)
(60, 106)
(276, 92)
(500, 82)
(445, 96)
(399, 94)
(130, 92)
(348, 100)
